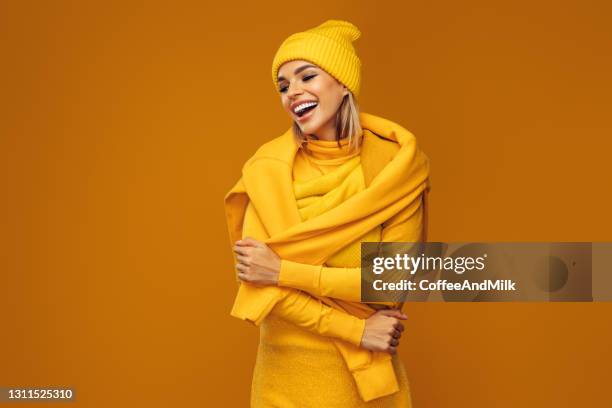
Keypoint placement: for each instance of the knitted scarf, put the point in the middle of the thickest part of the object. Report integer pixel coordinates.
(396, 175)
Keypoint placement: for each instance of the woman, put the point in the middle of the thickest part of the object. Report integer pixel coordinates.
(304, 203)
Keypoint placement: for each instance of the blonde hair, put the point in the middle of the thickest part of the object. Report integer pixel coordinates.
(348, 125)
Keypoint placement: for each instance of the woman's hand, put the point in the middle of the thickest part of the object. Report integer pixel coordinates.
(257, 263)
(383, 331)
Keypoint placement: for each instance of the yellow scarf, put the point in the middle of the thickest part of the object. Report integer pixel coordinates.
(396, 175)
(315, 196)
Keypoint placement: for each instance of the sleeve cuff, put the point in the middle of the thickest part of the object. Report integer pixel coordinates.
(344, 326)
(299, 276)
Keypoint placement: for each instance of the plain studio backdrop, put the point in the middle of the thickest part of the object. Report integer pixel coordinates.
(123, 125)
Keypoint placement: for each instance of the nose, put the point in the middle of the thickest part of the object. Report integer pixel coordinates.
(293, 90)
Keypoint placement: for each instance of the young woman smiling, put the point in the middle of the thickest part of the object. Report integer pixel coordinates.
(304, 203)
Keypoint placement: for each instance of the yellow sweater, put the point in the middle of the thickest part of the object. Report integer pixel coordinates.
(297, 366)
(343, 279)
(262, 205)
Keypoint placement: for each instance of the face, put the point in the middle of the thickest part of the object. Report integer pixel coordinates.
(302, 81)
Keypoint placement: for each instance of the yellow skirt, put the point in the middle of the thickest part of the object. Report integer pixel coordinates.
(297, 368)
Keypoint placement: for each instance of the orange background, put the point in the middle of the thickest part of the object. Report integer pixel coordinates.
(123, 126)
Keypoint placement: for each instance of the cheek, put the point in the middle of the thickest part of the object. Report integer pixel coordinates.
(329, 105)
(327, 96)
(285, 102)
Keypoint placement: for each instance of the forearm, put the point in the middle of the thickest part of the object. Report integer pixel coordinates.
(319, 280)
(315, 316)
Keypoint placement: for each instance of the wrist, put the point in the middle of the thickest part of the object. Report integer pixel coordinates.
(363, 332)
(361, 329)
(276, 272)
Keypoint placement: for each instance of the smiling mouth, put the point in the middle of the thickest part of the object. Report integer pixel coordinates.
(305, 110)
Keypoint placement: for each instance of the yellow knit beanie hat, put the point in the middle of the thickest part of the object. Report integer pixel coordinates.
(330, 47)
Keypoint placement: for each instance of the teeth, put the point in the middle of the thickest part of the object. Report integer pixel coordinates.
(303, 106)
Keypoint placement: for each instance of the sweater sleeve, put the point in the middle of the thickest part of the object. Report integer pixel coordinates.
(253, 303)
(296, 307)
(345, 283)
(313, 315)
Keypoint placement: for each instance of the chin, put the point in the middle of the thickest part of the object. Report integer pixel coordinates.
(308, 128)
(314, 125)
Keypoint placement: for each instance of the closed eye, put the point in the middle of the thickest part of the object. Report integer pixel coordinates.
(305, 79)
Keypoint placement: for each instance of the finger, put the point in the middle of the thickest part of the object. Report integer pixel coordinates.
(242, 268)
(388, 312)
(392, 350)
(395, 313)
(245, 260)
(399, 326)
(399, 314)
(397, 334)
(240, 250)
(247, 241)
(394, 342)
(247, 279)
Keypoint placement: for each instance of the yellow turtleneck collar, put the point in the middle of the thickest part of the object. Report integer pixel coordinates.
(328, 151)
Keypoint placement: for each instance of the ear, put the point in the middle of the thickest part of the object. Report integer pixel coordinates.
(345, 91)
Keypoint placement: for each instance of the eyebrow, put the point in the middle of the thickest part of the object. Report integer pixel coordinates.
(297, 71)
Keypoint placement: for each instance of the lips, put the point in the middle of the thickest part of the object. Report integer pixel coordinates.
(307, 114)
(305, 110)
(298, 108)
